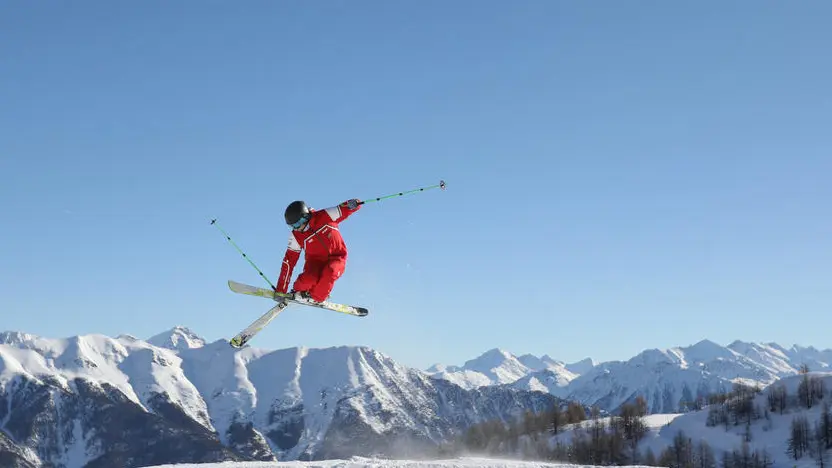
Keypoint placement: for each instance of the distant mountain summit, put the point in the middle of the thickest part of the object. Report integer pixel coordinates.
(177, 339)
(500, 367)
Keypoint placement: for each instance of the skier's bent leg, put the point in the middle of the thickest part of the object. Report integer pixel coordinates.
(309, 277)
(329, 274)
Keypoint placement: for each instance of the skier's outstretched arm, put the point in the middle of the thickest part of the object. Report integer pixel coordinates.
(343, 211)
(290, 259)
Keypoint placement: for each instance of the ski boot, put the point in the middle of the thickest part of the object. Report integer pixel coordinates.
(304, 296)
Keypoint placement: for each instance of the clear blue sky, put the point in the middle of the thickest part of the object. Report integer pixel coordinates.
(621, 175)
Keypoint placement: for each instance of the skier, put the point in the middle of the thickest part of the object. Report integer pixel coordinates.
(326, 253)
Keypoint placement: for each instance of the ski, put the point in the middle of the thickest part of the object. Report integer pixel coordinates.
(244, 336)
(241, 288)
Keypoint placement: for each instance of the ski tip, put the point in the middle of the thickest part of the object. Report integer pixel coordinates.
(239, 341)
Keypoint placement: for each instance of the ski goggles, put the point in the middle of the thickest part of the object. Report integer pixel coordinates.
(299, 223)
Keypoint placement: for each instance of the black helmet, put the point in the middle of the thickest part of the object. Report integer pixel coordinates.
(295, 212)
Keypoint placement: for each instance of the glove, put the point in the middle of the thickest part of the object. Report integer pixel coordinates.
(353, 204)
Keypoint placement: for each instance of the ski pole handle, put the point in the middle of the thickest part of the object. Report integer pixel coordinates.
(441, 185)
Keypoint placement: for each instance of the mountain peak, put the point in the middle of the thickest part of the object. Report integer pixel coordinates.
(178, 338)
(490, 359)
(706, 343)
(581, 367)
(533, 362)
(706, 350)
(14, 337)
(498, 352)
(655, 357)
(439, 368)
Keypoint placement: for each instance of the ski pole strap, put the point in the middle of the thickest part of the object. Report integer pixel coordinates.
(441, 185)
(228, 238)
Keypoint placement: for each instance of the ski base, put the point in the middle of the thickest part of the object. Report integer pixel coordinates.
(247, 289)
(246, 335)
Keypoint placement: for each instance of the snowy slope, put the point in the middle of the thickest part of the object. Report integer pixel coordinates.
(769, 434)
(796, 355)
(139, 370)
(670, 380)
(360, 462)
(547, 381)
(655, 439)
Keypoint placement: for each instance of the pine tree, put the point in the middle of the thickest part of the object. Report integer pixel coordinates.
(782, 399)
(575, 413)
(819, 445)
(595, 412)
(799, 442)
(777, 398)
(766, 460)
(818, 388)
(727, 460)
(616, 445)
(743, 458)
(804, 394)
(632, 428)
(679, 454)
(826, 425)
(756, 459)
(641, 406)
(650, 457)
(555, 420)
(704, 457)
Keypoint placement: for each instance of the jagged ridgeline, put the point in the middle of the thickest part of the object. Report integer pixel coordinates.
(100, 401)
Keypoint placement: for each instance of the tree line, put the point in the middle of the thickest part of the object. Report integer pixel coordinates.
(615, 440)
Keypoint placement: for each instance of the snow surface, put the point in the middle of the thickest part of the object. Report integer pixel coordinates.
(770, 435)
(360, 462)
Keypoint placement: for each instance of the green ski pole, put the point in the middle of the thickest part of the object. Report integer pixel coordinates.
(214, 222)
(441, 185)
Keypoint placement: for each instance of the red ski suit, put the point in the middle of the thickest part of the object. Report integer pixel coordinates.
(326, 253)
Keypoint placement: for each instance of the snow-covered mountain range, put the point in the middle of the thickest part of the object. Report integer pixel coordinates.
(95, 400)
(761, 437)
(670, 380)
(499, 367)
(363, 462)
